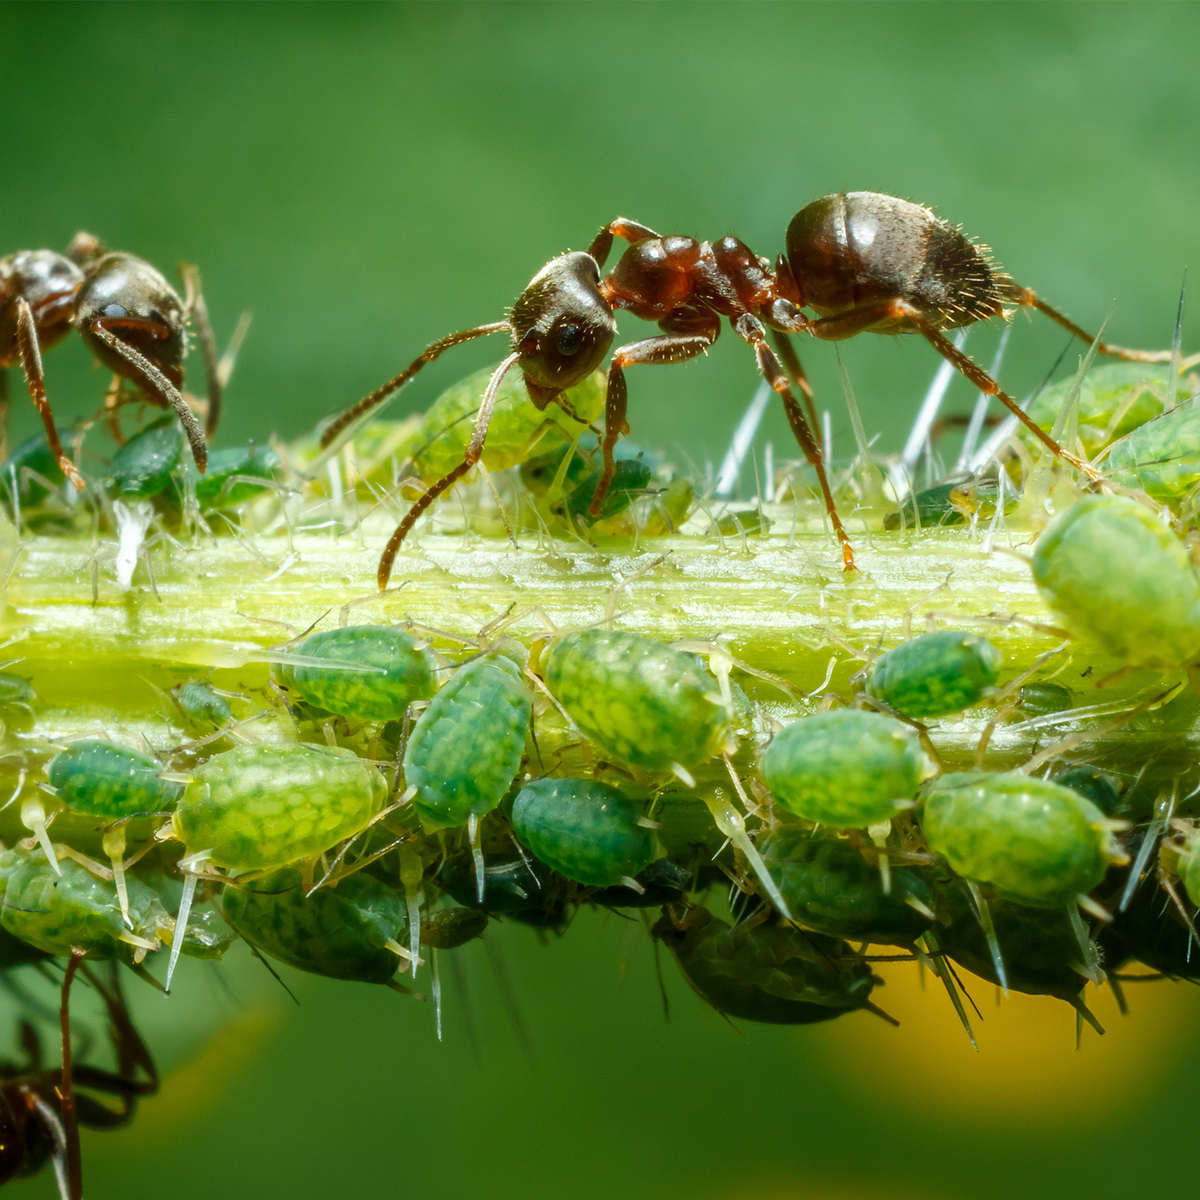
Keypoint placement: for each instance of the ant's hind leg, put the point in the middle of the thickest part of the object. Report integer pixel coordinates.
(35, 379)
(795, 369)
(379, 395)
(622, 227)
(1027, 299)
(195, 308)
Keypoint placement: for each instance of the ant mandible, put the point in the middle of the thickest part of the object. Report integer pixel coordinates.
(129, 317)
(862, 261)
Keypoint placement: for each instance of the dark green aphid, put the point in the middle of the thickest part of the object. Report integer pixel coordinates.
(1151, 930)
(770, 973)
(946, 504)
(831, 888)
(31, 466)
(104, 779)
(641, 701)
(203, 705)
(1027, 839)
(448, 928)
(231, 473)
(1094, 785)
(662, 882)
(515, 885)
(59, 912)
(143, 466)
(689, 835)
(354, 931)
(585, 830)
(749, 522)
(207, 935)
(465, 750)
(262, 806)
(847, 768)
(632, 476)
(15, 689)
(1042, 699)
(16, 953)
(935, 674)
(361, 695)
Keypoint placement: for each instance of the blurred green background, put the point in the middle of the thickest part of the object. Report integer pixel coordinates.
(365, 178)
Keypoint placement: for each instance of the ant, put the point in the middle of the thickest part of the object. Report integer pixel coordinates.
(129, 317)
(40, 1110)
(862, 261)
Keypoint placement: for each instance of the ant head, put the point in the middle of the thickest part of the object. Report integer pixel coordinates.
(561, 325)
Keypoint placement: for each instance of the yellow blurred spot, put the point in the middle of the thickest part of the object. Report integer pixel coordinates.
(1027, 1067)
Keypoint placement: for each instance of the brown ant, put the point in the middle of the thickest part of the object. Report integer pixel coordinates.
(40, 1108)
(862, 261)
(129, 317)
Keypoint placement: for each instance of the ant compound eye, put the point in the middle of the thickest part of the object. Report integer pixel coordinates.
(568, 340)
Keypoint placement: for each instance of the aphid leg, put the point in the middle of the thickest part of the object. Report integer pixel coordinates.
(33, 817)
(35, 380)
(195, 308)
(934, 961)
(411, 874)
(436, 970)
(332, 431)
(190, 878)
(472, 456)
(690, 335)
(114, 847)
(879, 835)
(66, 1091)
(989, 932)
(729, 822)
(1164, 809)
(157, 383)
(1087, 948)
(751, 330)
(473, 824)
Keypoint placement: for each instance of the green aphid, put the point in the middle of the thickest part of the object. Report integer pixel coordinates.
(953, 503)
(16, 953)
(203, 705)
(1161, 458)
(515, 885)
(31, 466)
(1189, 868)
(935, 674)
(639, 700)
(344, 932)
(662, 882)
(1094, 785)
(517, 426)
(689, 835)
(770, 973)
(1116, 576)
(231, 474)
(261, 806)
(747, 522)
(1042, 699)
(465, 750)
(143, 466)
(846, 768)
(362, 695)
(831, 888)
(15, 689)
(1151, 930)
(1027, 839)
(449, 928)
(585, 830)
(1114, 400)
(630, 479)
(1041, 950)
(58, 913)
(104, 779)
(673, 504)
(208, 935)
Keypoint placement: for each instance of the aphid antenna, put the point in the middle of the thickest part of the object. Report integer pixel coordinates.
(625, 581)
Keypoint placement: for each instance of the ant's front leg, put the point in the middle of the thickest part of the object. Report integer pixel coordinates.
(195, 308)
(622, 227)
(750, 328)
(30, 351)
(153, 380)
(675, 347)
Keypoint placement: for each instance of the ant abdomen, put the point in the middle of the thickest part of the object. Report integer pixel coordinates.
(854, 249)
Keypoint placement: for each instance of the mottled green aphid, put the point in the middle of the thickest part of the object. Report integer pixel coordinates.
(449, 928)
(143, 466)
(1042, 699)
(586, 830)
(639, 700)
(266, 806)
(202, 704)
(1027, 839)
(948, 504)
(1116, 576)
(1162, 457)
(831, 888)
(15, 689)
(29, 464)
(1094, 785)
(229, 478)
(465, 750)
(935, 674)
(103, 779)
(363, 696)
(847, 768)
(632, 476)
(57, 913)
(770, 973)
(340, 932)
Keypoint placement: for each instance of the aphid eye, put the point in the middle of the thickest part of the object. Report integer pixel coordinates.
(568, 340)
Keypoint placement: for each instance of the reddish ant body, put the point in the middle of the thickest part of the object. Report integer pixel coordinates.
(862, 261)
(128, 316)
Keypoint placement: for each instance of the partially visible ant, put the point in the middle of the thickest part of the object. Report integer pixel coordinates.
(864, 262)
(40, 1108)
(129, 317)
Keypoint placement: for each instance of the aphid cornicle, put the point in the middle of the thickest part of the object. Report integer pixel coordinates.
(935, 674)
(864, 262)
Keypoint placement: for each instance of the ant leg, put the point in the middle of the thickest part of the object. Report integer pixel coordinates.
(195, 307)
(397, 382)
(751, 329)
(900, 312)
(162, 387)
(1027, 299)
(670, 348)
(795, 368)
(622, 227)
(35, 379)
(474, 453)
(66, 1092)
